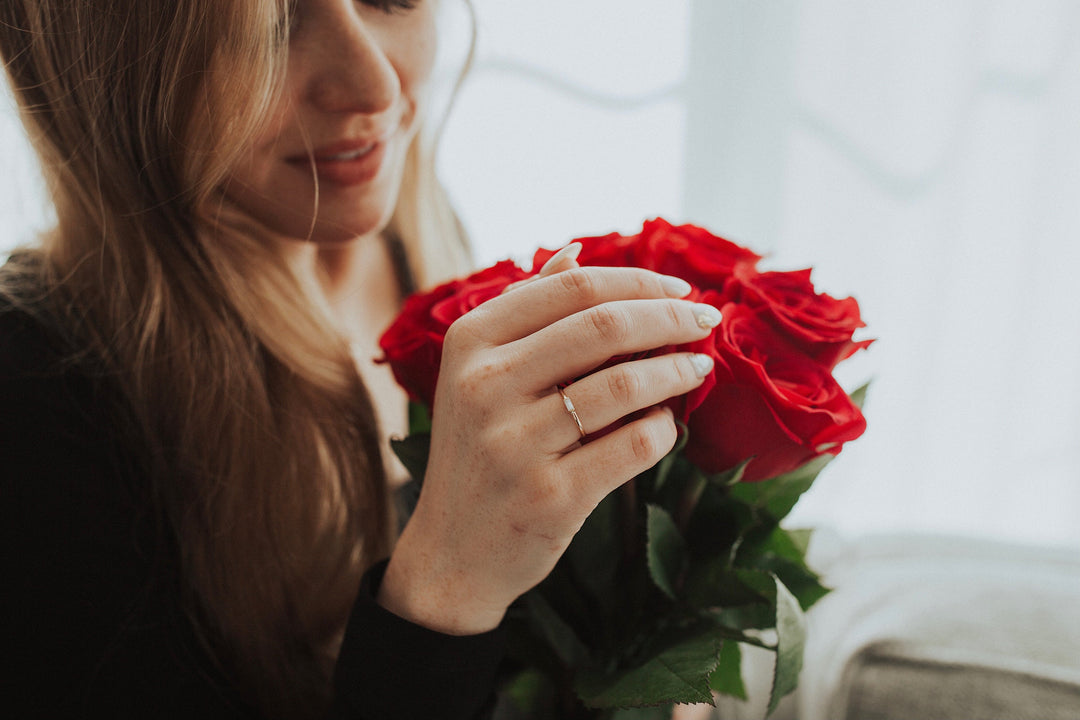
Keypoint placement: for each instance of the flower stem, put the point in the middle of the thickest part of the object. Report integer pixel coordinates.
(689, 501)
(629, 517)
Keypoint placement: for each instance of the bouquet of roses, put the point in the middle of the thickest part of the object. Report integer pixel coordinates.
(676, 570)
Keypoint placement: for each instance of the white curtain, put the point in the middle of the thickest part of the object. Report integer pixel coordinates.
(923, 156)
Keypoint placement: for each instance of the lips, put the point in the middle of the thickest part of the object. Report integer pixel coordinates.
(342, 151)
(345, 163)
(346, 155)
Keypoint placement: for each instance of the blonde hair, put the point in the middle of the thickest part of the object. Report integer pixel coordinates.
(433, 237)
(263, 452)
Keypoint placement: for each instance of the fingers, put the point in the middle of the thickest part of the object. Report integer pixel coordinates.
(545, 300)
(565, 259)
(597, 468)
(582, 342)
(562, 260)
(613, 393)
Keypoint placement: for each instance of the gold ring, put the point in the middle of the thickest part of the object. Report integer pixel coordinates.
(573, 413)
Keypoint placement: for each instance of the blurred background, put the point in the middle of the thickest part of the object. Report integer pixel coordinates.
(922, 156)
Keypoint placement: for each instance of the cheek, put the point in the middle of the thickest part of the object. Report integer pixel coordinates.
(258, 165)
(414, 47)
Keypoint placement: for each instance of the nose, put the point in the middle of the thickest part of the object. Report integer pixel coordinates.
(350, 72)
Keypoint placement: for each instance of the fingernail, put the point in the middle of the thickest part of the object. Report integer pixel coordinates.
(516, 285)
(570, 252)
(703, 364)
(706, 316)
(675, 287)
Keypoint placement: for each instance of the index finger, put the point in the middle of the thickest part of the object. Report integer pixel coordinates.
(527, 309)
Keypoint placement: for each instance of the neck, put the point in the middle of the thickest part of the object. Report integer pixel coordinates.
(357, 280)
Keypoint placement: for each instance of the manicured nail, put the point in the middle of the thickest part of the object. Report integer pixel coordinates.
(703, 364)
(570, 252)
(675, 287)
(706, 316)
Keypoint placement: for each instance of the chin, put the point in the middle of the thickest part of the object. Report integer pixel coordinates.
(339, 220)
(337, 231)
(285, 207)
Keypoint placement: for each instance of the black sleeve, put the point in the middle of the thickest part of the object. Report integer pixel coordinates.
(88, 626)
(423, 674)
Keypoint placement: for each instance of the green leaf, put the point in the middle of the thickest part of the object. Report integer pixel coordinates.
(659, 712)
(803, 583)
(790, 640)
(559, 635)
(413, 453)
(419, 419)
(758, 614)
(770, 541)
(663, 469)
(530, 692)
(777, 496)
(594, 552)
(800, 538)
(727, 678)
(666, 551)
(717, 523)
(782, 553)
(731, 477)
(678, 674)
(859, 395)
(715, 584)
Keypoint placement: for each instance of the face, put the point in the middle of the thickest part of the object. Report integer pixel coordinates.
(334, 148)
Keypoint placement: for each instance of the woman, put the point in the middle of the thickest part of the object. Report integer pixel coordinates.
(194, 479)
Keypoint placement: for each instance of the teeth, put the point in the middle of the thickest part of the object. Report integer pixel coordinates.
(351, 155)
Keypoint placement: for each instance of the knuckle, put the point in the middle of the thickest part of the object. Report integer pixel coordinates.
(458, 332)
(684, 370)
(608, 323)
(676, 313)
(650, 441)
(643, 444)
(580, 283)
(482, 375)
(625, 384)
(647, 284)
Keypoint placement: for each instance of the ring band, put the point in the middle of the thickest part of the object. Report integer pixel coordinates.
(573, 413)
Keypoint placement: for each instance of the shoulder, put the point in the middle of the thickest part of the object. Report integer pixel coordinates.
(24, 340)
(46, 395)
(91, 582)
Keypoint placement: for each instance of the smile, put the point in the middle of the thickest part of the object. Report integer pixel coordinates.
(344, 166)
(347, 155)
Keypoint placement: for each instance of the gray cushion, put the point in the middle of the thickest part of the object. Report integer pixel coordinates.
(932, 627)
(888, 680)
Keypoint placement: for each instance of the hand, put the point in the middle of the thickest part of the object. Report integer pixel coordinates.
(565, 259)
(509, 483)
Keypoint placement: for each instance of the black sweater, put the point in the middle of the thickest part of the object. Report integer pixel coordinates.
(89, 621)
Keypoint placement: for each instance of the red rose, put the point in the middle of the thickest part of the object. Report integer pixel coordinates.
(771, 396)
(413, 343)
(819, 324)
(612, 250)
(692, 253)
(686, 251)
(771, 401)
